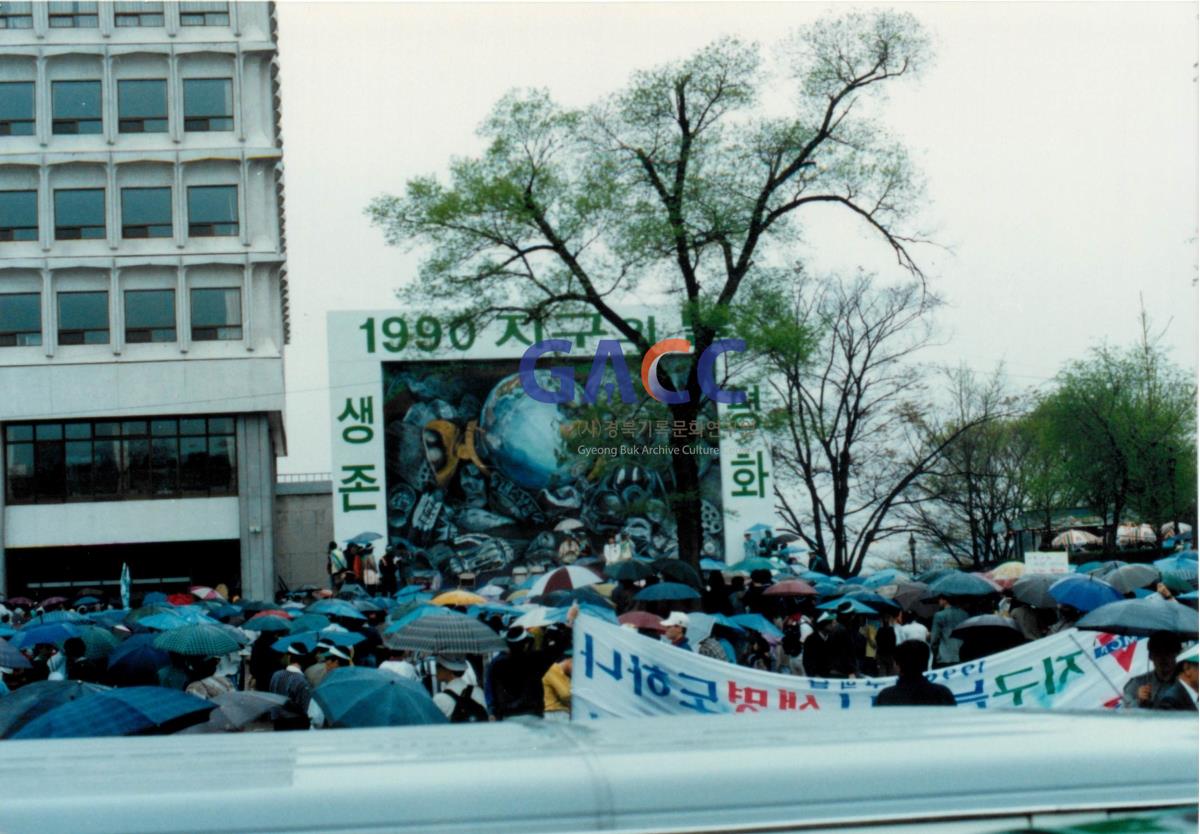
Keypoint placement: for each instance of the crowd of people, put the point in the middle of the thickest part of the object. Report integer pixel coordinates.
(756, 621)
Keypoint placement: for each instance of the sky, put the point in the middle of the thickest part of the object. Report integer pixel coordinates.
(1057, 142)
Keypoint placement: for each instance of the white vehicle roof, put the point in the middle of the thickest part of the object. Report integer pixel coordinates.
(915, 769)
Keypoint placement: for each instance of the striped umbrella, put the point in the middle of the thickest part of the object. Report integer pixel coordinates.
(98, 642)
(197, 641)
(564, 579)
(446, 635)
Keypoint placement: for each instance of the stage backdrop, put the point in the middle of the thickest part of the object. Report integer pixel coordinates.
(620, 674)
(436, 445)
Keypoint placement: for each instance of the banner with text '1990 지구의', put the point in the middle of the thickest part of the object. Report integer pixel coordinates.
(620, 674)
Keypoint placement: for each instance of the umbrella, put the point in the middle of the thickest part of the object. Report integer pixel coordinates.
(364, 538)
(847, 605)
(911, 597)
(135, 710)
(1130, 534)
(137, 661)
(1101, 568)
(181, 599)
(308, 622)
(335, 608)
(784, 538)
(205, 592)
(98, 642)
(1179, 566)
(11, 658)
(55, 617)
(413, 592)
(49, 634)
(1128, 577)
(237, 709)
(1168, 529)
(877, 601)
(446, 635)
(1034, 589)
(542, 616)
(357, 697)
(889, 576)
(1083, 593)
(755, 528)
(23, 705)
(759, 623)
(567, 525)
(956, 584)
(641, 619)
(561, 579)
(712, 564)
(368, 604)
(310, 639)
(673, 570)
(791, 588)
(168, 621)
(987, 624)
(755, 563)
(20, 602)
(87, 600)
(1142, 617)
(1010, 571)
(630, 569)
(460, 597)
(154, 597)
(50, 602)
(1075, 538)
(267, 623)
(934, 574)
(664, 591)
(197, 641)
(423, 610)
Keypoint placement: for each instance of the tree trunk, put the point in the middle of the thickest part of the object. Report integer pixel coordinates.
(685, 497)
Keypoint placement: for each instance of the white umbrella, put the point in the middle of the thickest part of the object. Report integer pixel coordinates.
(1130, 534)
(565, 579)
(1075, 538)
(1168, 529)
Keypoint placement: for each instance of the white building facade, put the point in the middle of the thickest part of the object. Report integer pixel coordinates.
(143, 295)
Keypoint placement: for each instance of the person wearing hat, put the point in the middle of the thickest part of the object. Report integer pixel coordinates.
(675, 627)
(829, 652)
(458, 700)
(1143, 691)
(291, 683)
(1182, 695)
(911, 688)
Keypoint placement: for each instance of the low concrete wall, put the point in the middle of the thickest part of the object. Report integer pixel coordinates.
(303, 529)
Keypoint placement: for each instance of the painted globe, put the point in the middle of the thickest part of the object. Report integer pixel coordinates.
(525, 439)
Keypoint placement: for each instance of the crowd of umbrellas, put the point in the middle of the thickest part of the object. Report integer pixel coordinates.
(125, 652)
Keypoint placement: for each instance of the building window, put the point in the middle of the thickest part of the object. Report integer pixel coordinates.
(139, 14)
(83, 318)
(112, 460)
(216, 314)
(212, 210)
(20, 319)
(149, 316)
(142, 106)
(207, 104)
(73, 15)
(16, 108)
(76, 107)
(18, 215)
(203, 14)
(16, 15)
(145, 212)
(79, 214)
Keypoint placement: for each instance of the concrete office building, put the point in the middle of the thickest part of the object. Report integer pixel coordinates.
(143, 296)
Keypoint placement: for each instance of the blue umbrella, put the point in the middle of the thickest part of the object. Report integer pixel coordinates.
(417, 613)
(12, 658)
(712, 564)
(411, 593)
(1083, 592)
(135, 710)
(335, 608)
(108, 618)
(827, 589)
(63, 616)
(168, 621)
(88, 600)
(759, 623)
(876, 601)
(357, 697)
(842, 603)
(1180, 565)
(757, 528)
(32, 700)
(270, 622)
(309, 639)
(137, 661)
(754, 564)
(956, 584)
(663, 591)
(153, 597)
(889, 576)
(309, 622)
(931, 576)
(49, 634)
(6, 630)
(364, 538)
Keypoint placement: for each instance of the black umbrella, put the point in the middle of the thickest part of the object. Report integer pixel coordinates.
(985, 635)
(629, 569)
(1033, 589)
(1142, 617)
(673, 570)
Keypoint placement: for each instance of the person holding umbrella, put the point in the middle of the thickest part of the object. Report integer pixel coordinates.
(945, 648)
(1143, 691)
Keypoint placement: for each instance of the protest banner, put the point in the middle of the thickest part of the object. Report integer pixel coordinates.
(618, 673)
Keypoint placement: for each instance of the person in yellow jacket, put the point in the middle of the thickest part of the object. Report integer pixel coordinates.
(556, 691)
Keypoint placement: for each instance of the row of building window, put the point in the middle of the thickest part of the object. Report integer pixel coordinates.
(79, 213)
(216, 315)
(76, 107)
(86, 15)
(113, 460)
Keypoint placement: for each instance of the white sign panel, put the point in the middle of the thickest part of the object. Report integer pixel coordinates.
(618, 673)
(364, 344)
(1047, 562)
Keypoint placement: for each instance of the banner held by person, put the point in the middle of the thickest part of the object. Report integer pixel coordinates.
(620, 674)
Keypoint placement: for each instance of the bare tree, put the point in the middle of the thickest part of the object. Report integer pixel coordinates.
(853, 432)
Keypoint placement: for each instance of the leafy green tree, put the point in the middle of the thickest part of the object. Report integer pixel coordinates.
(681, 183)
